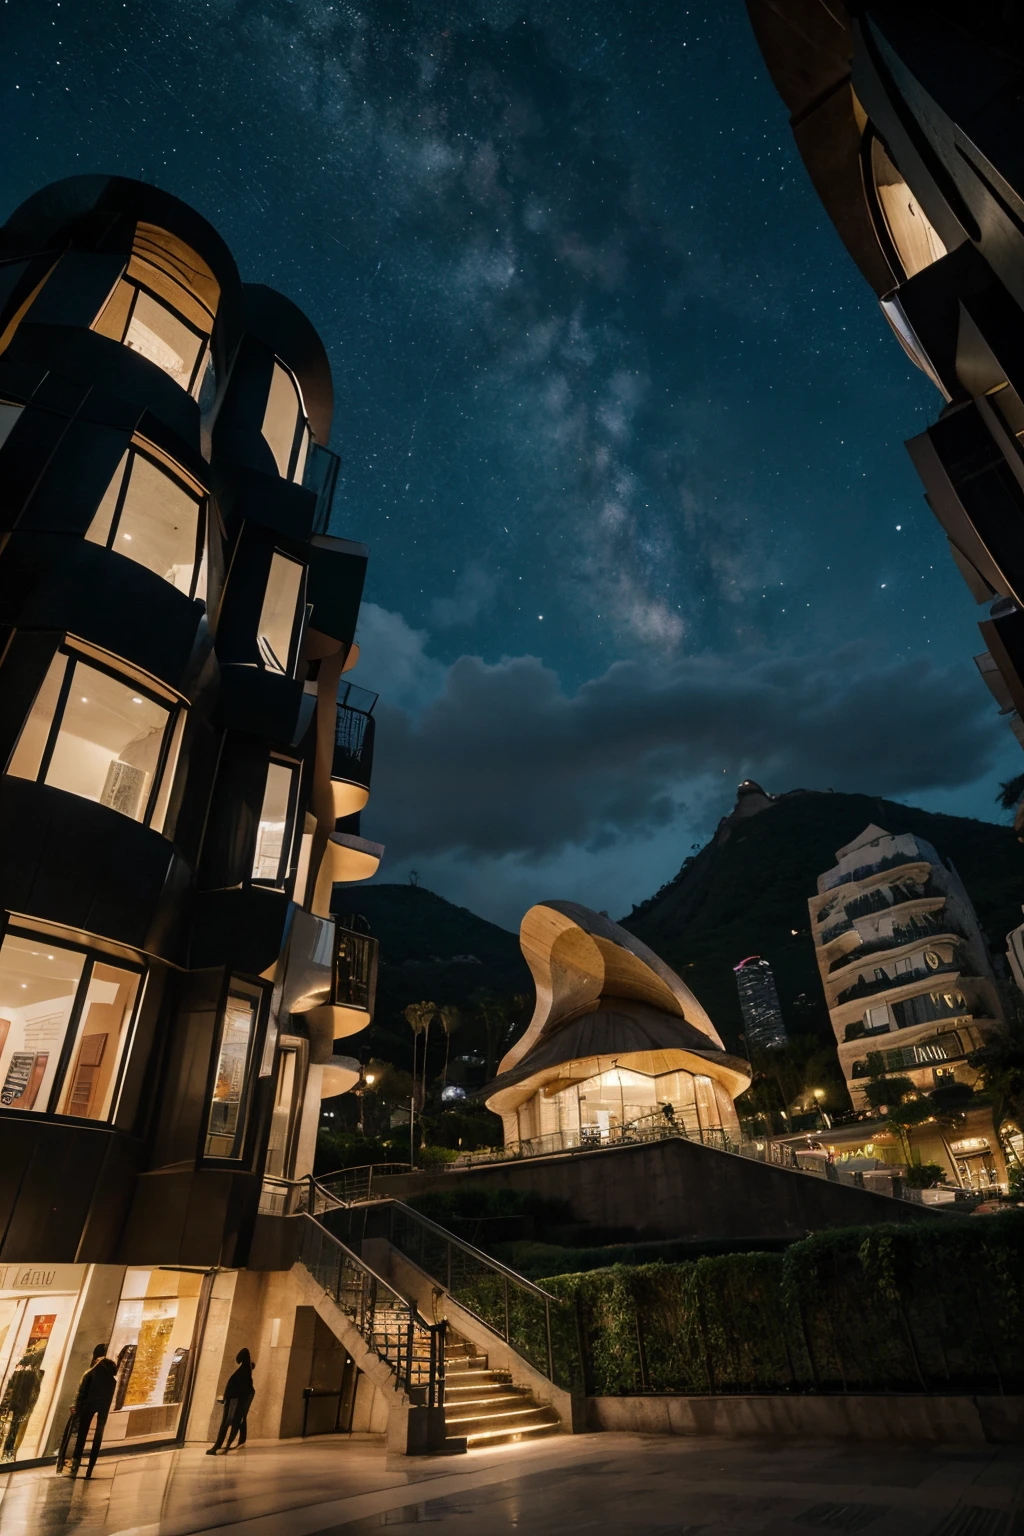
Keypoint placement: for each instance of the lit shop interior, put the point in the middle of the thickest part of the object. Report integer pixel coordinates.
(602, 1099)
(51, 1318)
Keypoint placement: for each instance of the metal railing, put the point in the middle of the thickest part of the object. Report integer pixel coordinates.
(353, 969)
(349, 1186)
(354, 735)
(388, 1323)
(887, 983)
(539, 1327)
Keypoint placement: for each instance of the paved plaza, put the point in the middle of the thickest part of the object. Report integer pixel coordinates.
(620, 1483)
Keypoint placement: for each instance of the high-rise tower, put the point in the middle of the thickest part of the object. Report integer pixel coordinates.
(759, 1002)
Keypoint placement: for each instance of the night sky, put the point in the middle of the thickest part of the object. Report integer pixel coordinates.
(621, 422)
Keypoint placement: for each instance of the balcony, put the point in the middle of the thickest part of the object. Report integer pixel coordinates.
(908, 1058)
(902, 935)
(884, 983)
(925, 1008)
(349, 1005)
(833, 931)
(863, 871)
(352, 763)
(901, 892)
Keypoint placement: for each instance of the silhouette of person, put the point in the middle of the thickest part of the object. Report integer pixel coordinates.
(19, 1399)
(95, 1395)
(69, 1428)
(238, 1395)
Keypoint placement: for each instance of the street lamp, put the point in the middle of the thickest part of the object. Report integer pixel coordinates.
(367, 1080)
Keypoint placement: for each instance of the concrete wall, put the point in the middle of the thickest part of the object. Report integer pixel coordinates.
(269, 1313)
(909, 1418)
(672, 1189)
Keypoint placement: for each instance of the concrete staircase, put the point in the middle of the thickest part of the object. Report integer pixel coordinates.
(483, 1407)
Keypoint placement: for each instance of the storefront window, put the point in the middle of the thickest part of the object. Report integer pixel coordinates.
(284, 424)
(621, 1101)
(38, 1307)
(65, 1020)
(279, 615)
(153, 516)
(270, 862)
(99, 735)
(229, 1099)
(151, 1345)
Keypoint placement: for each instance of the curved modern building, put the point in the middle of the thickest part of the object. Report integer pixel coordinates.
(183, 764)
(907, 117)
(617, 1041)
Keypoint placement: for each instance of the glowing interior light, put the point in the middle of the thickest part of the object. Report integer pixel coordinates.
(136, 700)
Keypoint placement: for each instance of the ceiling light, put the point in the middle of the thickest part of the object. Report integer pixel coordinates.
(136, 701)
(127, 537)
(24, 986)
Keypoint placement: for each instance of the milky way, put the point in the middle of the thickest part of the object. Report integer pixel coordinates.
(609, 391)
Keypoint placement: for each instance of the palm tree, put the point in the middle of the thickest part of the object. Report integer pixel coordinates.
(450, 1019)
(419, 1016)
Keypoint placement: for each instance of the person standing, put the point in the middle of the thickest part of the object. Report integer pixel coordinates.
(69, 1428)
(95, 1395)
(238, 1395)
(19, 1399)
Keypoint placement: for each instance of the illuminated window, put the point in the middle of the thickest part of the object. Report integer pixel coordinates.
(97, 734)
(229, 1097)
(915, 239)
(155, 517)
(163, 307)
(65, 1022)
(279, 617)
(273, 832)
(285, 428)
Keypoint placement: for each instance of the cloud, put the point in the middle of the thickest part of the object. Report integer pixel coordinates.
(474, 590)
(501, 762)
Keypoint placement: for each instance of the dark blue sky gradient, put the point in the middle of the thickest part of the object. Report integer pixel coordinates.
(610, 395)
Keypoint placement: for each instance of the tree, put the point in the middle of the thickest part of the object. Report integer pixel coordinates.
(419, 1017)
(500, 1017)
(450, 1019)
(1010, 792)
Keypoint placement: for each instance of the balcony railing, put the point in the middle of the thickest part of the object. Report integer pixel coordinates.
(354, 967)
(878, 984)
(864, 870)
(353, 735)
(842, 925)
(904, 1058)
(321, 477)
(901, 892)
(902, 935)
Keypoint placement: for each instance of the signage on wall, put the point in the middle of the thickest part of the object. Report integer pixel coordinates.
(32, 1279)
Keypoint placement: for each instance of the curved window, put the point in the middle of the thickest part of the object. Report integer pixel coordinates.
(164, 306)
(65, 1023)
(916, 241)
(228, 1109)
(102, 735)
(155, 516)
(280, 613)
(285, 428)
(274, 829)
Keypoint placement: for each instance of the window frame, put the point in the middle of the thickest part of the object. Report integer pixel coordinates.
(286, 861)
(258, 994)
(299, 620)
(175, 706)
(195, 378)
(303, 431)
(16, 929)
(140, 447)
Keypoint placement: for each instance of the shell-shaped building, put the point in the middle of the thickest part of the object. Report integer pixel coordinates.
(617, 1041)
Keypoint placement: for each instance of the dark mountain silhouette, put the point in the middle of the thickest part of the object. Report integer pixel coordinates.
(746, 893)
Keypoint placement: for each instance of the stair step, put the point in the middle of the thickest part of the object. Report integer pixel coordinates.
(489, 1437)
(498, 1418)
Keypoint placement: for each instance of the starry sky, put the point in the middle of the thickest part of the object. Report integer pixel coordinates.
(620, 421)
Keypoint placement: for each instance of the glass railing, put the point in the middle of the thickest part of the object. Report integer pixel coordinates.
(354, 969)
(321, 477)
(886, 897)
(902, 935)
(878, 984)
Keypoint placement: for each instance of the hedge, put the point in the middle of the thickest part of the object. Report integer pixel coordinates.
(925, 1307)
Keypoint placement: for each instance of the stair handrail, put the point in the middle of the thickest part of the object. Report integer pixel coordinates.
(509, 1277)
(364, 1316)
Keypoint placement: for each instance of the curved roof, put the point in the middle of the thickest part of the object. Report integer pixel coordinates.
(604, 993)
(618, 1030)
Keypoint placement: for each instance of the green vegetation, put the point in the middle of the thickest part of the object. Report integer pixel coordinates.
(746, 893)
(933, 1306)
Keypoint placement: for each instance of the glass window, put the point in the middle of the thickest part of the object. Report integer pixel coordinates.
(159, 334)
(97, 735)
(65, 1020)
(270, 861)
(151, 516)
(280, 613)
(916, 240)
(229, 1098)
(284, 424)
(9, 414)
(151, 1344)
